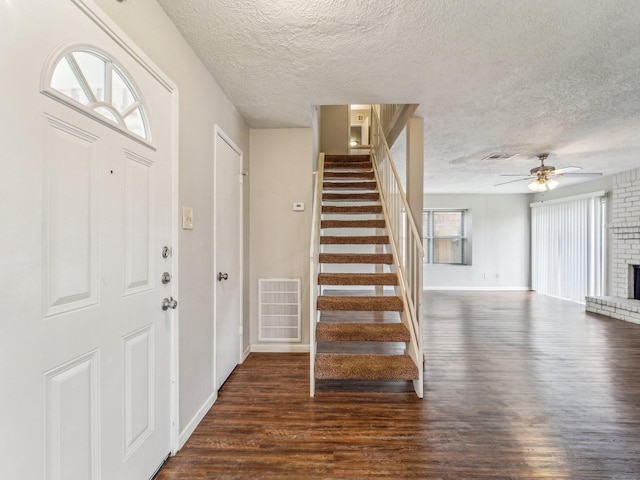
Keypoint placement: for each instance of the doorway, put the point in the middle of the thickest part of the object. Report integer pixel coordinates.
(86, 346)
(227, 254)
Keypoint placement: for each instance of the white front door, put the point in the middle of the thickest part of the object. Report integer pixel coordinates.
(227, 256)
(85, 357)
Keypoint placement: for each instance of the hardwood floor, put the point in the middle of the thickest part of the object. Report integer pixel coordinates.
(517, 386)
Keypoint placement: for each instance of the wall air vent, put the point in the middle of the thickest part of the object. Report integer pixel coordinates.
(279, 309)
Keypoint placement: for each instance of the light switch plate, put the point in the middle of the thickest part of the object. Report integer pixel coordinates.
(298, 207)
(187, 218)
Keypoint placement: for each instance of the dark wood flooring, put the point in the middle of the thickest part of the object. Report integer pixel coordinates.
(517, 386)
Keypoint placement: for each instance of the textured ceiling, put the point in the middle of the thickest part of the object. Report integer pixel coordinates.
(508, 76)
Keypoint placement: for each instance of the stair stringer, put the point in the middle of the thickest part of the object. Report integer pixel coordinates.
(314, 269)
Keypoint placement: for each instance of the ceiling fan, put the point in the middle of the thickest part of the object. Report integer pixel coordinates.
(543, 176)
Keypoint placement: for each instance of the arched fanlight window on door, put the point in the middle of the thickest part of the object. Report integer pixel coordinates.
(93, 80)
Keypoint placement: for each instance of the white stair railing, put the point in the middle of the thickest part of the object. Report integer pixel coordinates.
(406, 242)
(314, 262)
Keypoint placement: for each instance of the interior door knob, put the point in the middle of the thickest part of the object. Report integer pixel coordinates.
(169, 303)
(222, 276)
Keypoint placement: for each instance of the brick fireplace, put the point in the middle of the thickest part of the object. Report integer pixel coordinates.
(625, 251)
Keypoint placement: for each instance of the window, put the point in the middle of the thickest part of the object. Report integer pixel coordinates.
(568, 246)
(445, 237)
(94, 81)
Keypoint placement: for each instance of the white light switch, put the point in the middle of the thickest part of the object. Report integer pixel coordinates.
(187, 218)
(298, 207)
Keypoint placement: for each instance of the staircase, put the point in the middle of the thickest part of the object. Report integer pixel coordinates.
(361, 328)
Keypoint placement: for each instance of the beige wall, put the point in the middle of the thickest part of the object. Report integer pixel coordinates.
(281, 174)
(500, 240)
(202, 105)
(334, 129)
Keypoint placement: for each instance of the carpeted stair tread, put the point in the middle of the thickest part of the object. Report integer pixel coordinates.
(350, 185)
(352, 209)
(351, 196)
(348, 165)
(337, 366)
(365, 258)
(361, 332)
(355, 240)
(346, 158)
(342, 175)
(360, 304)
(357, 279)
(352, 224)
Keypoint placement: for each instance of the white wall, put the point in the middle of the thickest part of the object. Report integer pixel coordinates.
(281, 174)
(202, 105)
(500, 241)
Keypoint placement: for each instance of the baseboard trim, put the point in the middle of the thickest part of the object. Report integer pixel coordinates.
(479, 289)
(197, 418)
(245, 354)
(280, 348)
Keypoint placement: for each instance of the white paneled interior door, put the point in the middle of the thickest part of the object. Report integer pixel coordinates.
(85, 347)
(227, 256)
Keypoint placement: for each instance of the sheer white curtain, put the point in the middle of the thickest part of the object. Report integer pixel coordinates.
(567, 247)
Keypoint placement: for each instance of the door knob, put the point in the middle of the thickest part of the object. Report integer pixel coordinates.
(168, 303)
(222, 276)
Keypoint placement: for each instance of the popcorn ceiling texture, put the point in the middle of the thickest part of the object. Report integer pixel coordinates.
(514, 76)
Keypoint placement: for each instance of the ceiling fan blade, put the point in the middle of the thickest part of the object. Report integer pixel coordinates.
(515, 175)
(580, 174)
(566, 170)
(511, 181)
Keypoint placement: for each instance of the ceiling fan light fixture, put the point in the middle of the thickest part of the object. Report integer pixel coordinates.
(538, 186)
(542, 184)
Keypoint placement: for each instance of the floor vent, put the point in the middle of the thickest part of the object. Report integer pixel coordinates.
(279, 309)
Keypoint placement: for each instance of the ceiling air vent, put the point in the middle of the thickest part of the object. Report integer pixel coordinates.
(500, 156)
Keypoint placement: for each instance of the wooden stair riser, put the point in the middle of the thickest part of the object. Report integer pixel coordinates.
(360, 304)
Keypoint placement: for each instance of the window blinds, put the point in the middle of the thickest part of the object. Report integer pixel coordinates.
(567, 247)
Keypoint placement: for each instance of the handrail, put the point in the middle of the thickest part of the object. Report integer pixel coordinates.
(314, 253)
(406, 241)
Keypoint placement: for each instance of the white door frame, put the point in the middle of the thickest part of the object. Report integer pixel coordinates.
(220, 136)
(108, 26)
